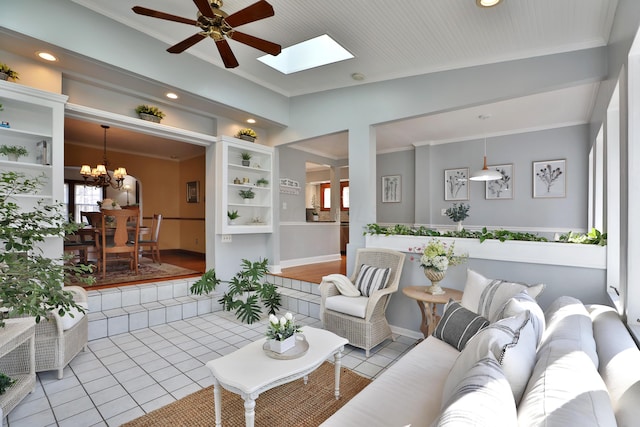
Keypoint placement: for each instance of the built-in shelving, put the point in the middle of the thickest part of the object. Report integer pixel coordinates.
(256, 214)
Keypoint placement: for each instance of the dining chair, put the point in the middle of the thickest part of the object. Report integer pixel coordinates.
(116, 224)
(93, 218)
(152, 243)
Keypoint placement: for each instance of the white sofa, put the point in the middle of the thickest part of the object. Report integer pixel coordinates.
(585, 373)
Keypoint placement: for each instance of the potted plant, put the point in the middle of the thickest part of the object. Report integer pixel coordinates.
(246, 156)
(246, 290)
(247, 134)
(247, 195)
(32, 284)
(262, 182)
(149, 113)
(281, 333)
(233, 215)
(7, 73)
(458, 213)
(13, 152)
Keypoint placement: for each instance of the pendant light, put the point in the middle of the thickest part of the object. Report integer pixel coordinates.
(100, 176)
(485, 174)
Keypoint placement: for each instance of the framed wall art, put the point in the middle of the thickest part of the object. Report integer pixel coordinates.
(549, 179)
(392, 189)
(456, 184)
(500, 189)
(193, 192)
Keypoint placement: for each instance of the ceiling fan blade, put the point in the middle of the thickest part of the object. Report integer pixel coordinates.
(205, 8)
(186, 43)
(255, 12)
(161, 15)
(255, 42)
(227, 55)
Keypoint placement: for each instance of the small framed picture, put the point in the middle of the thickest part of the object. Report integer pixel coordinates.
(392, 189)
(500, 189)
(193, 192)
(549, 179)
(456, 184)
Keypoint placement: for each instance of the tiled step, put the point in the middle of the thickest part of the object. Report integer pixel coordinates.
(123, 309)
(298, 296)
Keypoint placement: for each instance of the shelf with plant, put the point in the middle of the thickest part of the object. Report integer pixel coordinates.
(150, 113)
(14, 151)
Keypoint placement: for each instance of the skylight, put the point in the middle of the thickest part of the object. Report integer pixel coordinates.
(321, 50)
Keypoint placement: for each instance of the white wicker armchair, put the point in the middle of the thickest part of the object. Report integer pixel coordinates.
(373, 329)
(55, 347)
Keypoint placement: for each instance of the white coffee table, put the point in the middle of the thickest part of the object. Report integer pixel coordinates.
(249, 371)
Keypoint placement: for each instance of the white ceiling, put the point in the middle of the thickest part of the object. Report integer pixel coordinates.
(398, 39)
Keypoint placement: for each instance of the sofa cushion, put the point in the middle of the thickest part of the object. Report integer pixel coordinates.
(343, 284)
(567, 318)
(353, 306)
(565, 389)
(513, 343)
(482, 398)
(520, 302)
(69, 322)
(486, 296)
(458, 325)
(370, 279)
(405, 394)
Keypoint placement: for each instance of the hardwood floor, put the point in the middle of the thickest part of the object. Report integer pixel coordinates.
(314, 273)
(190, 260)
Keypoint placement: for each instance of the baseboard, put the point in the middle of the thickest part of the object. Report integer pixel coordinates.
(311, 260)
(406, 332)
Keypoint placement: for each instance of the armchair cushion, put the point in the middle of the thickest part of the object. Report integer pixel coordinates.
(69, 322)
(353, 306)
(370, 279)
(344, 285)
(458, 325)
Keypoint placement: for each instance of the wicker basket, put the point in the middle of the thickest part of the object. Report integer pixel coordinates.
(149, 117)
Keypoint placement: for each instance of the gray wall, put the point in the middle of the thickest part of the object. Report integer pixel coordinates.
(399, 163)
(570, 143)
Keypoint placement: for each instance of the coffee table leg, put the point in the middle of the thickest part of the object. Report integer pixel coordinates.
(338, 362)
(249, 410)
(217, 402)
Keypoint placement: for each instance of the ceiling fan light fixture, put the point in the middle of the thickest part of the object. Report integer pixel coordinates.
(487, 3)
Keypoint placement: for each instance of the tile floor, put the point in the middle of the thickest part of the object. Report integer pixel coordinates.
(125, 376)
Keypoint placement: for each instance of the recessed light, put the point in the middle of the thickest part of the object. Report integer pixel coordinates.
(251, 121)
(171, 95)
(487, 3)
(357, 76)
(47, 56)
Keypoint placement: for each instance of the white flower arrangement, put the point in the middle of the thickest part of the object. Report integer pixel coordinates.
(283, 328)
(438, 256)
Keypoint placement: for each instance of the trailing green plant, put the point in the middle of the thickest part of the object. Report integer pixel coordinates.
(32, 284)
(593, 237)
(247, 293)
(458, 212)
(147, 109)
(5, 382)
(13, 149)
(247, 194)
(4, 68)
(233, 214)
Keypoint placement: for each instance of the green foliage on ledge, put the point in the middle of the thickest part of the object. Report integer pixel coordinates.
(594, 237)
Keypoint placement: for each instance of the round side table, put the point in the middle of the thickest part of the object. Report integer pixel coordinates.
(428, 302)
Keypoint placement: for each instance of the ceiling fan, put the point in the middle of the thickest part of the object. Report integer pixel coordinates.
(218, 25)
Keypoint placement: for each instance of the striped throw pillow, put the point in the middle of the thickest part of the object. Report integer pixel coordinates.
(370, 279)
(458, 325)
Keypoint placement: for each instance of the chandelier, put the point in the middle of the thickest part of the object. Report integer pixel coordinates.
(100, 176)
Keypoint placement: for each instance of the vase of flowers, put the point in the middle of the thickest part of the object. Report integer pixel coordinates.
(436, 257)
(281, 332)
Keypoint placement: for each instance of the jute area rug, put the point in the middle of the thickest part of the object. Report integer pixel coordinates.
(290, 405)
(119, 272)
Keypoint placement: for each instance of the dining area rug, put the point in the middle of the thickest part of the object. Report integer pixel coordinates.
(292, 404)
(119, 272)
